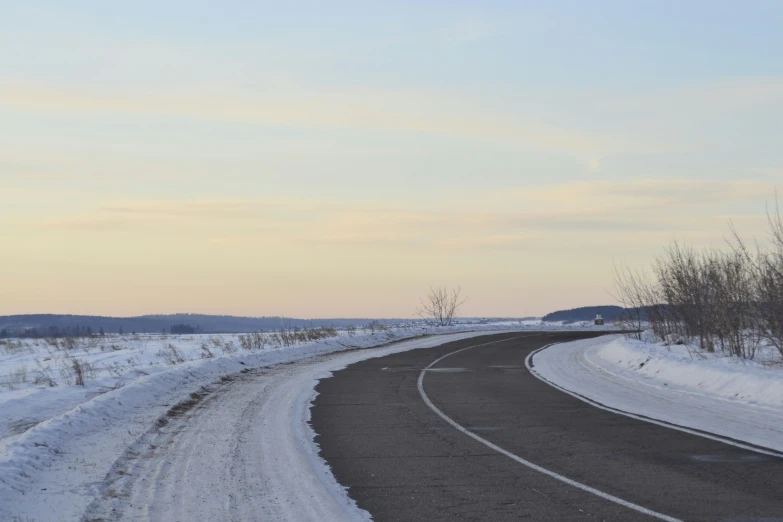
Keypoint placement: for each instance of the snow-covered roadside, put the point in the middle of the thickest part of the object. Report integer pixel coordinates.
(247, 455)
(36, 377)
(719, 395)
(715, 374)
(55, 469)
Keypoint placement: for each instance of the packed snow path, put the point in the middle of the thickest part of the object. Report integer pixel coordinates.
(241, 453)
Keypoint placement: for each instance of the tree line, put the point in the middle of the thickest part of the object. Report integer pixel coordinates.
(728, 300)
(49, 331)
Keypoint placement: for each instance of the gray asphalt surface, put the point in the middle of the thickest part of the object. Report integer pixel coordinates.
(401, 461)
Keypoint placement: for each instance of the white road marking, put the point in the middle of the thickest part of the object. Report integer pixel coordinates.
(536, 467)
(711, 436)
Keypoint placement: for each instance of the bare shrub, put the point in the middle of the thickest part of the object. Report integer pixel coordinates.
(258, 341)
(171, 354)
(312, 334)
(728, 301)
(286, 333)
(206, 353)
(275, 340)
(132, 363)
(42, 376)
(322, 332)
(768, 265)
(245, 342)
(11, 347)
(440, 305)
(376, 326)
(252, 341)
(76, 372)
(115, 369)
(711, 297)
(636, 294)
(227, 347)
(686, 286)
(735, 305)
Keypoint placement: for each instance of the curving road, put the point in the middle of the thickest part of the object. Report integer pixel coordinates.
(463, 431)
(238, 450)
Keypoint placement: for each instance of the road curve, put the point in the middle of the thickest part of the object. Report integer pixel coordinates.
(464, 432)
(238, 451)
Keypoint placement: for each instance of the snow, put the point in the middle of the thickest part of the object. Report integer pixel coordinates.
(726, 396)
(715, 374)
(60, 445)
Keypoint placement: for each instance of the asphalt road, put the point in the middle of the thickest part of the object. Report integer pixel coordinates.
(402, 460)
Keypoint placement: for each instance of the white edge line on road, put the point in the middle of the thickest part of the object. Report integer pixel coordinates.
(536, 467)
(706, 435)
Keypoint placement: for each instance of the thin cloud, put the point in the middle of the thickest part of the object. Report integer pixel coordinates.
(489, 219)
(490, 242)
(407, 111)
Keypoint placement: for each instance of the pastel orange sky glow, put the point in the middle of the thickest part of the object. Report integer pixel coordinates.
(335, 160)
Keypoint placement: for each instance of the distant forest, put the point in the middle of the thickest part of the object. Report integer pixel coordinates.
(585, 313)
(53, 325)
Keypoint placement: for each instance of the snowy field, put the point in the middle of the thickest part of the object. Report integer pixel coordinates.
(38, 377)
(728, 396)
(60, 441)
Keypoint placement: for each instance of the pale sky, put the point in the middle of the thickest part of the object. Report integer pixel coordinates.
(324, 159)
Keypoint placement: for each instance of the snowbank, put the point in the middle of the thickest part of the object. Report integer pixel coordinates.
(740, 400)
(716, 375)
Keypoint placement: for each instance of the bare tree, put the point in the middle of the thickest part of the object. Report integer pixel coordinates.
(636, 295)
(728, 301)
(688, 284)
(767, 265)
(441, 305)
(710, 296)
(286, 331)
